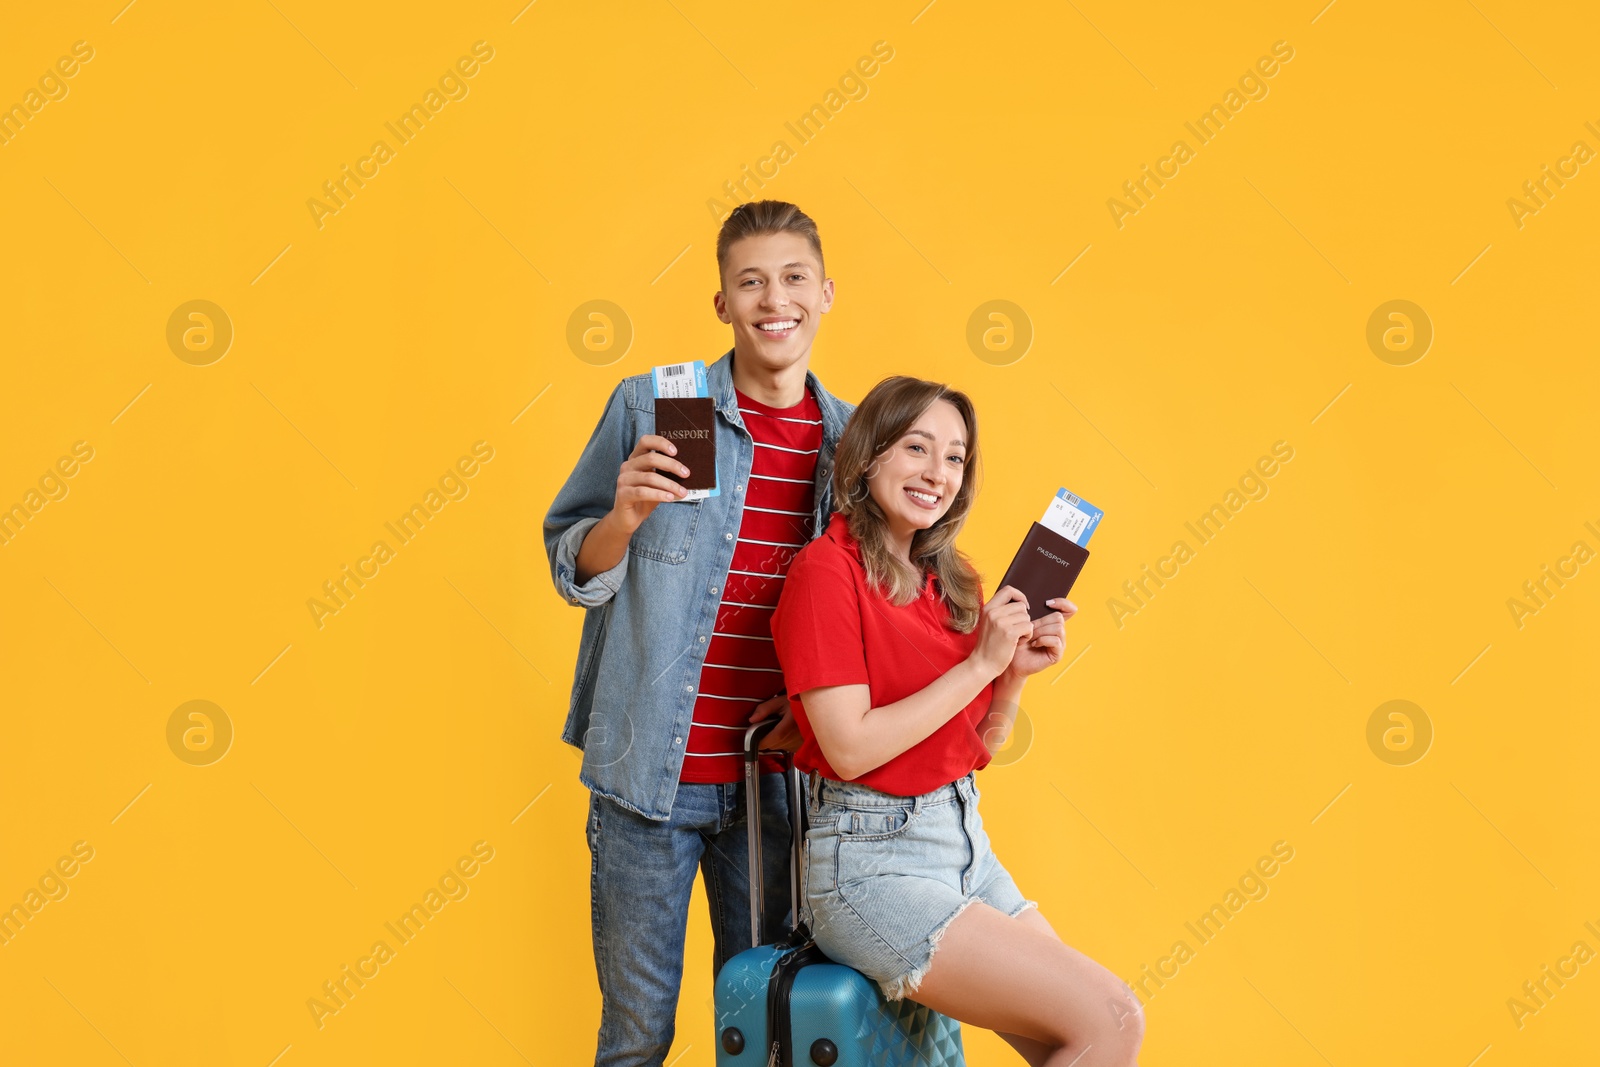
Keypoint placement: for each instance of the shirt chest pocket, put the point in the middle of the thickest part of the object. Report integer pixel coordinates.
(668, 534)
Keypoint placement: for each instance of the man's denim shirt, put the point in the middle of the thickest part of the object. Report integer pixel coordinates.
(645, 633)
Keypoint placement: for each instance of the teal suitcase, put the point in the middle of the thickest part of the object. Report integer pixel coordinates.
(787, 1005)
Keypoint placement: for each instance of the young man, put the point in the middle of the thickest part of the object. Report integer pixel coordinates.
(676, 656)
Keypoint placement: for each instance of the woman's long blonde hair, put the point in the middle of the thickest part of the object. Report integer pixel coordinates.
(887, 413)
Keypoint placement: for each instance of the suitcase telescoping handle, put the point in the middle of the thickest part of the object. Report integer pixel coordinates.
(752, 807)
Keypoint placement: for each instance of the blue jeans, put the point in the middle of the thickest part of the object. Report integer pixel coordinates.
(641, 875)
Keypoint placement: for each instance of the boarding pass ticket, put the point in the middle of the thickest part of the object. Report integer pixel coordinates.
(681, 380)
(1072, 517)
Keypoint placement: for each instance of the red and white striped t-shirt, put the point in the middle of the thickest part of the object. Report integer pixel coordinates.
(741, 668)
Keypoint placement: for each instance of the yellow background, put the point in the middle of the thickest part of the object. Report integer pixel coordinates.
(369, 354)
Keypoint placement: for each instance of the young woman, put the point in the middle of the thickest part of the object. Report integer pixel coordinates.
(904, 683)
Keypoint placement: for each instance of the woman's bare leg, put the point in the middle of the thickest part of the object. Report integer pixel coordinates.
(1036, 1053)
(1016, 977)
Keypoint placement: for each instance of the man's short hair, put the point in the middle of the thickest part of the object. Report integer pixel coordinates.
(761, 217)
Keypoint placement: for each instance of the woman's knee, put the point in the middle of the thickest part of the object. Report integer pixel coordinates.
(1112, 1023)
(1122, 1022)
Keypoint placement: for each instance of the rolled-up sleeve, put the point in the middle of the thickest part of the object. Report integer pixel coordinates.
(587, 496)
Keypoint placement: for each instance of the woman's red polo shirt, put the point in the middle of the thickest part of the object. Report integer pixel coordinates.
(832, 629)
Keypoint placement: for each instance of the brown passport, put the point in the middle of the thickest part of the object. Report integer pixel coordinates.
(1044, 568)
(690, 424)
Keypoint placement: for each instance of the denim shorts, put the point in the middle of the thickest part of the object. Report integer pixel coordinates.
(885, 875)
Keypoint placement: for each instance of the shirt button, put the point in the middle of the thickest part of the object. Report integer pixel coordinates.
(703, 638)
(677, 740)
(739, 488)
(713, 589)
(688, 689)
(727, 537)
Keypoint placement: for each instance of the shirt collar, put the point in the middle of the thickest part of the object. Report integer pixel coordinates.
(719, 383)
(839, 531)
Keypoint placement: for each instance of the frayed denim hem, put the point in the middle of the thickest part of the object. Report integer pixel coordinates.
(907, 984)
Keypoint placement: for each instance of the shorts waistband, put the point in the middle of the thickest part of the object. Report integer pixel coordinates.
(856, 795)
